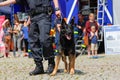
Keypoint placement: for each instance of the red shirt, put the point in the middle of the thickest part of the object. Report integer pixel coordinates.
(89, 24)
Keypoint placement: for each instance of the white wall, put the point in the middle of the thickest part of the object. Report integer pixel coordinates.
(116, 11)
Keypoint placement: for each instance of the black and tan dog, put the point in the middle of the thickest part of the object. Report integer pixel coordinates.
(67, 48)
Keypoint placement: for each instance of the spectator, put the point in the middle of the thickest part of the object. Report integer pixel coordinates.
(17, 38)
(81, 23)
(25, 33)
(94, 41)
(7, 35)
(89, 23)
(79, 29)
(2, 45)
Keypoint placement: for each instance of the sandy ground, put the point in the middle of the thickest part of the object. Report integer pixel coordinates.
(107, 67)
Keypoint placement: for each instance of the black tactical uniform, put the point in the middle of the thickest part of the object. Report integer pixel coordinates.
(39, 33)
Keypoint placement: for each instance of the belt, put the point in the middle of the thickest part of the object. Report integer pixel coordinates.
(39, 10)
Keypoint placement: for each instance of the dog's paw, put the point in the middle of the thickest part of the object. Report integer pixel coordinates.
(72, 71)
(65, 71)
(52, 74)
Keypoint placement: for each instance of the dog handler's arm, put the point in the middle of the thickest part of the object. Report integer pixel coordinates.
(8, 2)
(57, 10)
(56, 3)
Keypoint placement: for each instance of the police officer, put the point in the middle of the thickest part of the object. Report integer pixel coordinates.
(39, 31)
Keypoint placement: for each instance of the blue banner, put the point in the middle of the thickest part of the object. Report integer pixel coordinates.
(69, 9)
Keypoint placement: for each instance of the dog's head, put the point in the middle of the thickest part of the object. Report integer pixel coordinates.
(66, 30)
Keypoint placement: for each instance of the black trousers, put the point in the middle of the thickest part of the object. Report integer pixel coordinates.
(39, 37)
(26, 44)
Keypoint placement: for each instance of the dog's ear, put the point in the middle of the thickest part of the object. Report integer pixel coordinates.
(63, 23)
(72, 23)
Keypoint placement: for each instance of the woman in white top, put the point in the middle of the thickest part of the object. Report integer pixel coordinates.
(17, 38)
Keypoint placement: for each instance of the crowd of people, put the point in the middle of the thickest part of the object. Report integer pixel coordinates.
(16, 38)
(90, 34)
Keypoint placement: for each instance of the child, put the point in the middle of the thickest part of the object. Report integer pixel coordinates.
(7, 35)
(25, 34)
(94, 41)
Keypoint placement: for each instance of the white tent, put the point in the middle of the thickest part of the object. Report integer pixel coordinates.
(116, 12)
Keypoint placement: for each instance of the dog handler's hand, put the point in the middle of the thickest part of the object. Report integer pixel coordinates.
(58, 13)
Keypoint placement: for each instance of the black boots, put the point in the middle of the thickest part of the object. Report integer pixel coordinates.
(51, 65)
(50, 68)
(38, 69)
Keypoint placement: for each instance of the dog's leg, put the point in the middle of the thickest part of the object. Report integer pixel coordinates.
(69, 67)
(65, 62)
(72, 64)
(56, 65)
